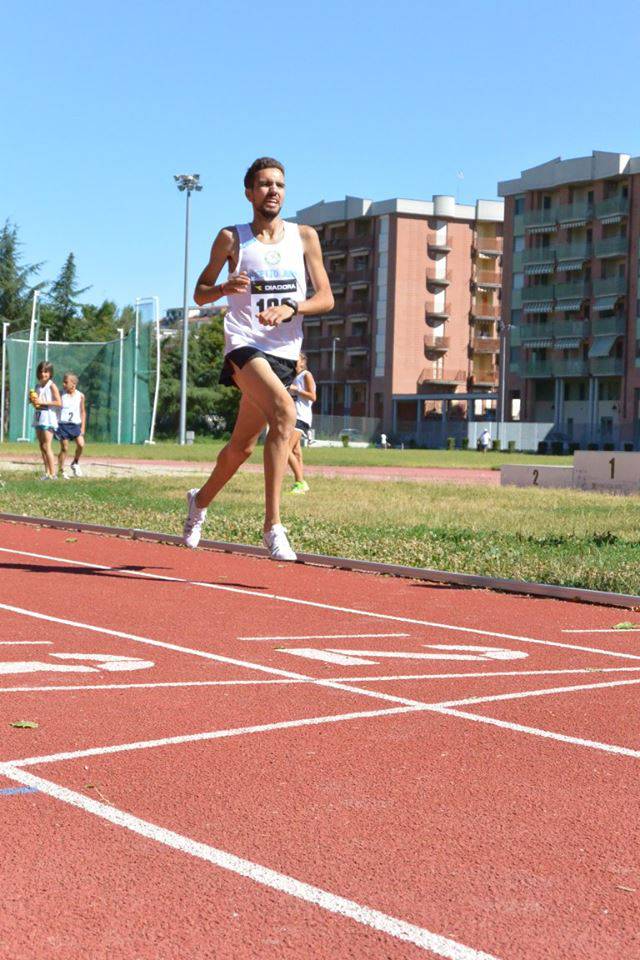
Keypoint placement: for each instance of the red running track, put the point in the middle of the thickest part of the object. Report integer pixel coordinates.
(209, 793)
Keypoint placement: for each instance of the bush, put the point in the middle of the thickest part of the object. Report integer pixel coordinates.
(628, 448)
(608, 446)
(451, 443)
(592, 446)
(495, 444)
(573, 447)
(511, 446)
(543, 446)
(557, 447)
(464, 443)
(345, 439)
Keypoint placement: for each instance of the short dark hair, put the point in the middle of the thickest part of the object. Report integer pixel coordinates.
(44, 367)
(262, 163)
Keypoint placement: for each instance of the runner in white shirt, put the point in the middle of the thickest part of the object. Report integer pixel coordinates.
(266, 291)
(303, 391)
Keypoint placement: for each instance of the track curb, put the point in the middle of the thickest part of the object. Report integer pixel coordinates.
(527, 588)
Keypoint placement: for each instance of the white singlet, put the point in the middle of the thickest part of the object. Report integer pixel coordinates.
(303, 404)
(47, 417)
(70, 412)
(277, 272)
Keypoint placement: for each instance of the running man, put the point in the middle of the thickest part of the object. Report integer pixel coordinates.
(303, 391)
(267, 296)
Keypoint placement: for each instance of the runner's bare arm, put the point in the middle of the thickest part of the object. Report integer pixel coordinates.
(224, 250)
(322, 300)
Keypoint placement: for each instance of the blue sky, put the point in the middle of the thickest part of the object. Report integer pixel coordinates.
(102, 105)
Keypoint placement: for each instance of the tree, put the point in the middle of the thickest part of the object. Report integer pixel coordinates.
(61, 314)
(210, 407)
(16, 290)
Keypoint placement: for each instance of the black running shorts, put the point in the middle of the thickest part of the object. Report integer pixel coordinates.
(285, 370)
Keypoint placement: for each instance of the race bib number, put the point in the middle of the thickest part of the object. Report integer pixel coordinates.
(271, 293)
(67, 416)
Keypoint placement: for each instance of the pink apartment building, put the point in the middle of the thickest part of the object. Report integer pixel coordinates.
(570, 297)
(413, 332)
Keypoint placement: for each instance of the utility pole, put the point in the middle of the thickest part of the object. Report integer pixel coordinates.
(187, 182)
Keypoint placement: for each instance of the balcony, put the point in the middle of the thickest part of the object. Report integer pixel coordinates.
(540, 221)
(358, 306)
(433, 316)
(363, 275)
(539, 255)
(609, 326)
(606, 366)
(612, 209)
(365, 242)
(486, 376)
(438, 281)
(575, 292)
(536, 368)
(337, 278)
(485, 311)
(433, 344)
(539, 293)
(440, 378)
(489, 279)
(438, 246)
(574, 214)
(485, 345)
(610, 287)
(536, 331)
(574, 253)
(570, 367)
(569, 329)
(356, 342)
(488, 246)
(336, 243)
(612, 247)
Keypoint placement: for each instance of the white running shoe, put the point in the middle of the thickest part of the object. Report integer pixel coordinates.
(192, 530)
(75, 470)
(275, 540)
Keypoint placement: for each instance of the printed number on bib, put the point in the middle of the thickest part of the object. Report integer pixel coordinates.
(260, 290)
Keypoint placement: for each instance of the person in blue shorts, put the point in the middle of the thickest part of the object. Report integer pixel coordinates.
(72, 425)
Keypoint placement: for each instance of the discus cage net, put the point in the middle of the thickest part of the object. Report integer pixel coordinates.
(119, 378)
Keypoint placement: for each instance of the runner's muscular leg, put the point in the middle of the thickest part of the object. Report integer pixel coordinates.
(259, 383)
(249, 425)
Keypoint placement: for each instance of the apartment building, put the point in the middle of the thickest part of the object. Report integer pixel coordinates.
(570, 270)
(417, 300)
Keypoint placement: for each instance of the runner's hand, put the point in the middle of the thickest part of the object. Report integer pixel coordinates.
(237, 283)
(274, 316)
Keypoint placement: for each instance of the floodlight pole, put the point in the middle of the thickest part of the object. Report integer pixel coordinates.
(188, 183)
(5, 332)
(120, 372)
(333, 371)
(30, 356)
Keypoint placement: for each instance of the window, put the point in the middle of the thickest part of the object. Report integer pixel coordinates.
(518, 206)
(518, 281)
(516, 318)
(518, 244)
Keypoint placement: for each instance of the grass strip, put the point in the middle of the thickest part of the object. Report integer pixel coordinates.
(551, 536)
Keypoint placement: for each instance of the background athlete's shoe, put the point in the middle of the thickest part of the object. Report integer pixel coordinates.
(196, 516)
(300, 486)
(275, 540)
(75, 470)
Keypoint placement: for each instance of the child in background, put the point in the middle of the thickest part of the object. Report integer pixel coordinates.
(46, 400)
(73, 421)
(303, 390)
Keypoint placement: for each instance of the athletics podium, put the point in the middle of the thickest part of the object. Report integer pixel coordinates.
(609, 471)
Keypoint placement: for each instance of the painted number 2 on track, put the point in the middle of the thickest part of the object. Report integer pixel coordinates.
(437, 651)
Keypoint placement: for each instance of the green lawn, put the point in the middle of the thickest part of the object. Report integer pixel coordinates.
(555, 536)
(206, 451)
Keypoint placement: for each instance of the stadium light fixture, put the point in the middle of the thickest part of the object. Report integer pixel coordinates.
(186, 182)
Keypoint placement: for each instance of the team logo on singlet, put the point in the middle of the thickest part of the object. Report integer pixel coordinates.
(273, 257)
(278, 287)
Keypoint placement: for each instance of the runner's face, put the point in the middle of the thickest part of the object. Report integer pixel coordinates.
(69, 385)
(267, 194)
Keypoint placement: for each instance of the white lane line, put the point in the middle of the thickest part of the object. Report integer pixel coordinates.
(323, 606)
(370, 679)
(413, 706)
(265, 876)
(26, 643)
(330, 636)
(523, 694)
(607, 630)
(545, 734)
(210, 735)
